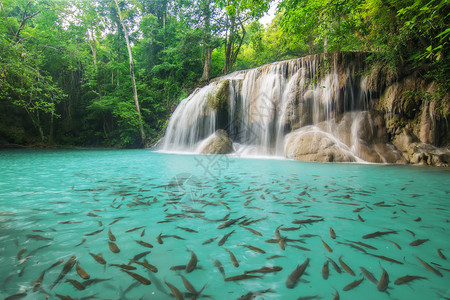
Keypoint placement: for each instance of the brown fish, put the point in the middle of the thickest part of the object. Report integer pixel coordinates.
(418, 242)
(111, 236)
(126, 267)
(145, 264)
(335, 265)
(95, 232)
(360, 218)
(395, 244)
(113, 247)
(134, 229)
(377, 234)
(209, 240)
(332, 233)
(78, 285)
(353, 284)
(252, 231)
(140, 255)
(233, 258)
(346, 267)
(38, 237)
(138, 277)
(384, 281)
(326, 246)
(37, 283)
(265, 270)
(145, 244)
(407, 278)
(254, 249)
(229, 223)
(67, 267)
(364, 245)
(224, 238)
(159, 239)
(369, 275)
(386, 258)
(241, 277)
(325, 270)
(219, 266)
(83, 274)
(143, 232)
(192, 262)
(98, 258)
(430, 268)
(82, 241)
(176, 292)
(291, 281)
(439, 251)
(187, 229)
(20, 253)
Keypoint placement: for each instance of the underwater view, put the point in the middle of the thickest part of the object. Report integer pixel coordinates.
(140, 224)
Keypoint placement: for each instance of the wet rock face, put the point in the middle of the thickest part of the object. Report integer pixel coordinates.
(218, 143)
(316, 146)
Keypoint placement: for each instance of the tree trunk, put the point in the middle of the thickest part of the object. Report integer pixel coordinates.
(133, 82)
(93, 45)
(207, 65)
(229, 46)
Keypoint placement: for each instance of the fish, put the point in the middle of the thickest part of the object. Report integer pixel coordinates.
(412, 233)
(364, 245)
(265, 270)
(335, 265)
(332, 233)
(140, 255)
(336, 296)
(233, 258)
(92, 215)
(134, 229)
(176, 292)
(178, 268)
(307, 221)
(384, 281)
(275, 256)
(67, 267)
(81, 272)
(326, 246)
(82, 241)
(145, 244)
(241, 277)
(439, 251)
(94, 281)
(353, 246)
(407, 278)
(209, 240)
(126, 267)
(147, 265)
(386, 258)
(430, 268)
(16, 296)
(360, 218)
(219, 266)
(229, 223)
(253, 231)
(188, 285)
(111, 236)
(187, 229)
(418, 242)
(346, 267)
(254, 249)
(192, 262)
(253, 295)
(291, 281)
(377, 234)
(95, 232)
(369, 275)
(225, 237)
(290, 228)
(138, 277)
(418, 219)
(395, 244)
(353, 284)
(159, 239)
(358, 209)
(325, 270)
(78, 285)
(98, 258)
(37, 283)
(300, 247)
(20, 253)
(113, 247)
(38, 237)
(143, 232)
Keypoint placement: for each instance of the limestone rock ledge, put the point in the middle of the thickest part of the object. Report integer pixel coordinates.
(217, 143)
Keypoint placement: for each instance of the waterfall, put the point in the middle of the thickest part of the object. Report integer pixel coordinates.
(263, 109)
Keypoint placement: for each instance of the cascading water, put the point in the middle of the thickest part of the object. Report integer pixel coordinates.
(270, 109)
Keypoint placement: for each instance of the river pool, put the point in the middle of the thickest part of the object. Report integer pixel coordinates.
(72, 206)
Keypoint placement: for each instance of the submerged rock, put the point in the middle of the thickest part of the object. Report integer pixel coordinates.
(316, 145)
(217, 143)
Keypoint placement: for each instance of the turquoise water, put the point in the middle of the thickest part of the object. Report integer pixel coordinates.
(51, 200)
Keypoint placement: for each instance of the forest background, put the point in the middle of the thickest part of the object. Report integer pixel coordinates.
(109, 73)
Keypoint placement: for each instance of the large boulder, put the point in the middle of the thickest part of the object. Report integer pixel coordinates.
(315, 145)
(217, 143)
